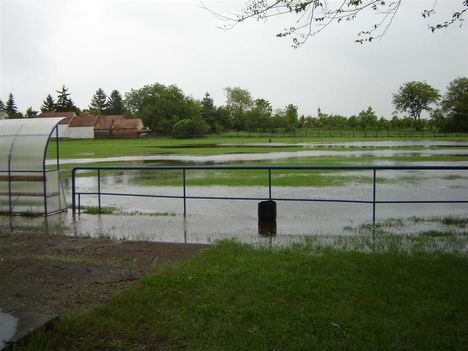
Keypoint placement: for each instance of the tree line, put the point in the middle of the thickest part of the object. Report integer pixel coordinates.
(166, 110)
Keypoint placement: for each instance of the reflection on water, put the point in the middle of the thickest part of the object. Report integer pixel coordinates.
(267, 228)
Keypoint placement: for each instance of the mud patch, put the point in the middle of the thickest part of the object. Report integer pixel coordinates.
(47, 275)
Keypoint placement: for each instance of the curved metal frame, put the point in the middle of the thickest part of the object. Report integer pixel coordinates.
(10, 171)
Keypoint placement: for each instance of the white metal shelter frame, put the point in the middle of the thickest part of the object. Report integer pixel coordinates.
(27, 184)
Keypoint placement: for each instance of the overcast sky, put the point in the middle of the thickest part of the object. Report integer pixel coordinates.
(126, 44)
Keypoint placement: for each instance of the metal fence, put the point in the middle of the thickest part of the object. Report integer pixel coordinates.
(76, 195)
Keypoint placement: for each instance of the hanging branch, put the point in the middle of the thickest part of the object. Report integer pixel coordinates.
(313, 16)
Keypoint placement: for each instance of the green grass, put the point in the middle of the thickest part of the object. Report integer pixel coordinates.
(448, 220)
(196, 146)
(96, 210)
(235, 297)
(108, 210)
(247, 178)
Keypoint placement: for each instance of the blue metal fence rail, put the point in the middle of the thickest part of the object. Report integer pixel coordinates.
(76, 196)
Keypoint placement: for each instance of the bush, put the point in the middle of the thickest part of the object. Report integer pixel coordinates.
(189, 128)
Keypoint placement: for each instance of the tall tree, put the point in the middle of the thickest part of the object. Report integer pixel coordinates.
(291, 116)
(98, 102)
(310, 17)
(115, 104)
(455, 105)
(260, 115)
(161, 107)
(2, 106)
(30, 113)
(208, 112)
(238, 102)
(11, 109)
(415, 97)
(367, 118)
(48, 105)
(64, 102)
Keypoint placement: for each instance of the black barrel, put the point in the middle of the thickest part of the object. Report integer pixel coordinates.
(267, 211)
(267, 228)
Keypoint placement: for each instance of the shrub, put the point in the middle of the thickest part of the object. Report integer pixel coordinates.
(189, 128)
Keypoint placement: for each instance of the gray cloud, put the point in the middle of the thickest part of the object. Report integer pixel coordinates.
(126, 44)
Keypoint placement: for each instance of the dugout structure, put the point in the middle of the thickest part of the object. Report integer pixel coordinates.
(29, 183)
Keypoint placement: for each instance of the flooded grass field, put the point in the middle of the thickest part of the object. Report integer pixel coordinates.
(156, 219)
(318, 227)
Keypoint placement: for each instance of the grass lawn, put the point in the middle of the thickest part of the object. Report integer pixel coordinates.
(194, 146)
(235, 297)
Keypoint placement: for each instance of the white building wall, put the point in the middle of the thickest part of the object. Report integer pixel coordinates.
(81, 132)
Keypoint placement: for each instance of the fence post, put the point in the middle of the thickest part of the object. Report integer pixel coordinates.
(269, 184)
(79, 204)
(73, 192)
(185, 198)
(99, 190)
(373, 198)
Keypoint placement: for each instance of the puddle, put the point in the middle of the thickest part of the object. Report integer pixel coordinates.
(362, 144)
(267, 156)
(8, 325)
(161, 219)
(186, 146)
(211, 220)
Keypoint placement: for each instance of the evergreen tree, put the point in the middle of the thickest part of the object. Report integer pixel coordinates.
(48, 105)
(115, 105)
(30, 113)
(11, 109)
(2, 106)
(98, 102)
(64, 103)
(209, 112)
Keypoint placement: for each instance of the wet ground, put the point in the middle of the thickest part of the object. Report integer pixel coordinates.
(156, 219)
(44, 273)
(43, 276)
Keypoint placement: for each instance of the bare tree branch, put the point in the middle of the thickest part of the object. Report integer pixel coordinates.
(313, 16)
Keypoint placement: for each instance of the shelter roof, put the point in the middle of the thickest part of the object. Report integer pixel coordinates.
(68, 116)
(23, 143)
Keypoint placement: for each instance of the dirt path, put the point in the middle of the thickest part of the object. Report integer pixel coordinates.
(42, 276)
